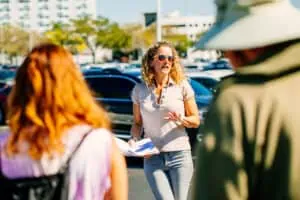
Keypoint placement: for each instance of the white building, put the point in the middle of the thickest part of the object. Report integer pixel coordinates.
(39, 14)
(191, 26)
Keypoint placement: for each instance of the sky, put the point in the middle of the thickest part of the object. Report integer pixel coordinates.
(129, 11)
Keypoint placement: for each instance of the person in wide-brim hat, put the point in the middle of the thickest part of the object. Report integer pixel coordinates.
(244, 24)
(251, 143)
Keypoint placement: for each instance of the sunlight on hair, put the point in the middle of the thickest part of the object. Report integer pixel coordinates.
(49, 96)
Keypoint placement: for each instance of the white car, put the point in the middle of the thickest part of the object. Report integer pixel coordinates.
(217, 74)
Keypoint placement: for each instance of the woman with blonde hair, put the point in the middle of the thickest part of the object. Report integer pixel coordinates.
(51, 110)
(163, 106)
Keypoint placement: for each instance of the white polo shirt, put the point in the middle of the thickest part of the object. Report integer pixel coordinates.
(166, 134)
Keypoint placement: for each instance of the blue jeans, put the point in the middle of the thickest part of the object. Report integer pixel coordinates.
(169, 174)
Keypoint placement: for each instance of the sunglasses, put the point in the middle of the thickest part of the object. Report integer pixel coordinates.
(164, 57)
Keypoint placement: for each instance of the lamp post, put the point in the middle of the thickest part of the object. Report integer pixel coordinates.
(158, 22)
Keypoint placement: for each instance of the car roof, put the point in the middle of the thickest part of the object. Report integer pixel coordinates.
(136, 79)
(199, 74)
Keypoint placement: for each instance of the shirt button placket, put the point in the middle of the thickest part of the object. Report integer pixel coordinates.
(163, 95)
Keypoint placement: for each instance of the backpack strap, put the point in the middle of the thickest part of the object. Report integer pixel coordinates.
(1, 173)
(66, 164)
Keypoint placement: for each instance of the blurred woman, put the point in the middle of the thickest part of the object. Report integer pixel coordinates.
(163, 106)
(50, 110)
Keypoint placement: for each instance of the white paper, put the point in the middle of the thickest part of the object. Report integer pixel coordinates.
(140, 148)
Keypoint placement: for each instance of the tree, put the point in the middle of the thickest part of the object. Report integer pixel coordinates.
(96, 33)
(142, 38)
(180, 42)
(15, 41)
(114, 38)
(88, 30)
(136, 31)
(62, 34)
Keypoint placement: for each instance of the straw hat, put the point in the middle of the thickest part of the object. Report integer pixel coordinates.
(246, 24)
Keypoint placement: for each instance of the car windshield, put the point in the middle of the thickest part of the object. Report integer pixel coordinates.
(199, 89)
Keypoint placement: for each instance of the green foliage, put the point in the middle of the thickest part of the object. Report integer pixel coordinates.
(14, 41)
(180, 41)
(88, 33)
(100, 32)
(144, 37)
(114, 38)
(61, 34)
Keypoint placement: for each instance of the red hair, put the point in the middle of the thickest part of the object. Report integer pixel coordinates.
(50, 95)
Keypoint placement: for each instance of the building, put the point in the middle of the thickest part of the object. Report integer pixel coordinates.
(191, 26)
(39, 14)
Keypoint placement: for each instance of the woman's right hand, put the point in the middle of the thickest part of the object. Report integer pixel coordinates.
(131, 142)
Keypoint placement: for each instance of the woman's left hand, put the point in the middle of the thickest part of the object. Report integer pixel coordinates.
(172, 116)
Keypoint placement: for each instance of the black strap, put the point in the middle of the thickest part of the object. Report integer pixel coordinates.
(66, 164)
(1, 149)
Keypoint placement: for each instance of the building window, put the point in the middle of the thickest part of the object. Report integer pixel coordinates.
(5, 17)
(5, 8)
(42, 16)
(44, 7)
(26, 16)
(24, 8)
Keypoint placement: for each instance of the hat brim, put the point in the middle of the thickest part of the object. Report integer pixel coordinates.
(257, 28)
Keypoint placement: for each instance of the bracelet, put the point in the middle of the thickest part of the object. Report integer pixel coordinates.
(182, 118)
(179, 122)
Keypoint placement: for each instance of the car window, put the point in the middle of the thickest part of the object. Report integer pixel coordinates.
(199, 89)
(7, 74)
(111, 87)
(217, 65)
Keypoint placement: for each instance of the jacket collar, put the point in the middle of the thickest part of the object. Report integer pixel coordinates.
(274, 63)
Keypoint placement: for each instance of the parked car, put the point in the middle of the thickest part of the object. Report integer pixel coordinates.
(4, 92)
(7, 75)
(100, 71)
(217, 65)
(208, 82)
(114, 92)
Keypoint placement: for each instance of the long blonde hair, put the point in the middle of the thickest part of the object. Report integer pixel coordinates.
(50, 95)
(148, 75)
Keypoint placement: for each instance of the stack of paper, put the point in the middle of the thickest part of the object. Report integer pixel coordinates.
(140, 148)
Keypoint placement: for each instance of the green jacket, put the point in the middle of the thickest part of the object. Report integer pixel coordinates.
(251, 147)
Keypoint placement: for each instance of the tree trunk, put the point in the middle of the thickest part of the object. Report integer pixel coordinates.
(94, 57)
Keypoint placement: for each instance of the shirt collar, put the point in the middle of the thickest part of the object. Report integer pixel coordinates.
(274, 63)
(170, 83)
